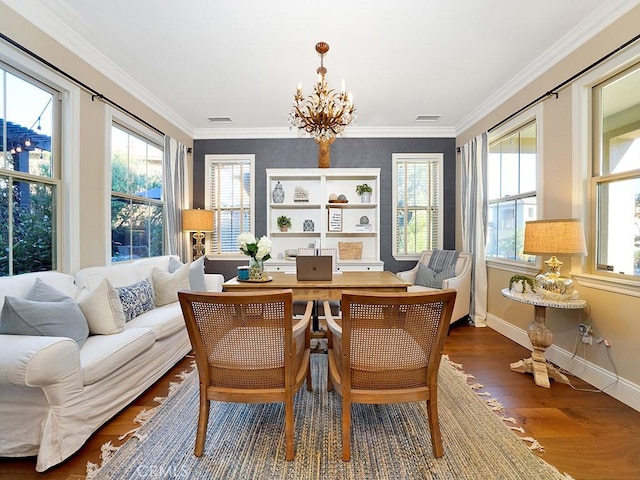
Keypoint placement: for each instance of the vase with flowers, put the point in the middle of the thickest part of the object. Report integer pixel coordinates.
(259, 251)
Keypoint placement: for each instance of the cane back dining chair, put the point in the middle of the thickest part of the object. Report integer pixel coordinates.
(248, 349)
(387, 349)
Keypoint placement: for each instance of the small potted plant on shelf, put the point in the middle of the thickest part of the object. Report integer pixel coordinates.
(521, 284)
(284, 223)
(364, 191)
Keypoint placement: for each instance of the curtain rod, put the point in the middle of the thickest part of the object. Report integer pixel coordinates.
(94, 93)
(554, 91)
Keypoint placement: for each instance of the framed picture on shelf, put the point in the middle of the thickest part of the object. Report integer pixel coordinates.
(335, 219)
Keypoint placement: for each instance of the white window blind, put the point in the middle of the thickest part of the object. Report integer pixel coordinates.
(229, 193)
(417, 191)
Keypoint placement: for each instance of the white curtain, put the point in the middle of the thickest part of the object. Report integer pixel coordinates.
(474, 157)
(175, 189)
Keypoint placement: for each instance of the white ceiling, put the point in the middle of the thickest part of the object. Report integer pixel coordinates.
(194, 59)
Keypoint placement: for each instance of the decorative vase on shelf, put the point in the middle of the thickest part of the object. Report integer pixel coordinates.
(365, 197)
(308, 226)
(256, 270)
(277, 195)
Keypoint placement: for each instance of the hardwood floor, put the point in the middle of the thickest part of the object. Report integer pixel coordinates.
(587, 435)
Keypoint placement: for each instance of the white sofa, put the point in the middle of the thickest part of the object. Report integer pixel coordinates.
(54, 395)
(461, 282)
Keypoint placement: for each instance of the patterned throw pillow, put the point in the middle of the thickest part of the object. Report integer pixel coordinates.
(428, 278)
(136, 299)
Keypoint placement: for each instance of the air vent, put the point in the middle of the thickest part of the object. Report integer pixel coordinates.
(429, 117)
(218, 120)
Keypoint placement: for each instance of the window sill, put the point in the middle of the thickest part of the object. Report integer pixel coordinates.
(226, 257)
(614, 285)
(408, 258)
(523, 268)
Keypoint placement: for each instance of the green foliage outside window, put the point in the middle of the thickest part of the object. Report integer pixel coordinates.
(137, 210)
(32, 234)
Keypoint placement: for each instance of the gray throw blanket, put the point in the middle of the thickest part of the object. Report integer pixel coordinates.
(442, 259)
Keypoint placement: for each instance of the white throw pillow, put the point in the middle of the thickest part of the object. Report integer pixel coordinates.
(196, 273)
(166, 285)
(102, 309)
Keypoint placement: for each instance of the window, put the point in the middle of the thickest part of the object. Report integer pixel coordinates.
(29, 174)
(417, 195)
(137, 209)
(511, 192)
(616, 173)
(229, 193)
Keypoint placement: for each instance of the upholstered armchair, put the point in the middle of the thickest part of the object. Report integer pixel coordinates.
(460, 282)
(248, 349)
(387, 349)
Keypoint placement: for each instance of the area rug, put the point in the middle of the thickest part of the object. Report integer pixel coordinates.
(246, 441)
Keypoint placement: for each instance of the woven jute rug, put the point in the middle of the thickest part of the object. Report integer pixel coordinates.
(246, 441)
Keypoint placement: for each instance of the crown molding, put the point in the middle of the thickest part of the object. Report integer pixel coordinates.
(218, 133)
(599, 19)
(51, 24)
(38, 14)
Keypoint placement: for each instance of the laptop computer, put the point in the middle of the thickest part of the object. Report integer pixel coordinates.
(314, 267)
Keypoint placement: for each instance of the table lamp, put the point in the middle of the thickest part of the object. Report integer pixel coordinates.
(197, 221)
(551, 237)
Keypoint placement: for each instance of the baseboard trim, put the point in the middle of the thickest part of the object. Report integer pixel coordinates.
(622, 390)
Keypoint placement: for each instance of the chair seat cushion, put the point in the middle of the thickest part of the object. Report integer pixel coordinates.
(397, 350)
(232, 365)
(267, 350)
(399, 361)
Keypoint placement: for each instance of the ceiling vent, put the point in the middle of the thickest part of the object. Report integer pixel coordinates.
(219, 120)
(429, 117)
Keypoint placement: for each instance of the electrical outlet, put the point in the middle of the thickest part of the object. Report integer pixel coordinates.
(585, 329)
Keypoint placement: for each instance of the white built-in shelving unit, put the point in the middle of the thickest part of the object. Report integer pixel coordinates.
(321, 183)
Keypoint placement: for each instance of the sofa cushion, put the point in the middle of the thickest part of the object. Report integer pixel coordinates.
(145, 266)
(20, 285)
(103, 354)
(41, 291)
(197, 280)
(119, 275)
(136, 298)
(102, 308)
(44, 318)
(429, 278)
(164, 321)
(166, 285)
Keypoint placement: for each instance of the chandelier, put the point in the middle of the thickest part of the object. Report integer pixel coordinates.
(324, 114)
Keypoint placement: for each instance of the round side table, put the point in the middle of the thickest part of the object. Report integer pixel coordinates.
(540, 335)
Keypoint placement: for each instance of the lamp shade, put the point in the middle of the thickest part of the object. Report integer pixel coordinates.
(554, 237)
(197, 220)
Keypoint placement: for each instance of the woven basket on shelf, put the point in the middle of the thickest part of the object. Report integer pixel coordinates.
(350, 250)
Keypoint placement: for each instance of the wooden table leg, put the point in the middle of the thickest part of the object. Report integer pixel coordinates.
(541, 338)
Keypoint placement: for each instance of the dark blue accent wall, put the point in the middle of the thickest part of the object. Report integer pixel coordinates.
(345, 153)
